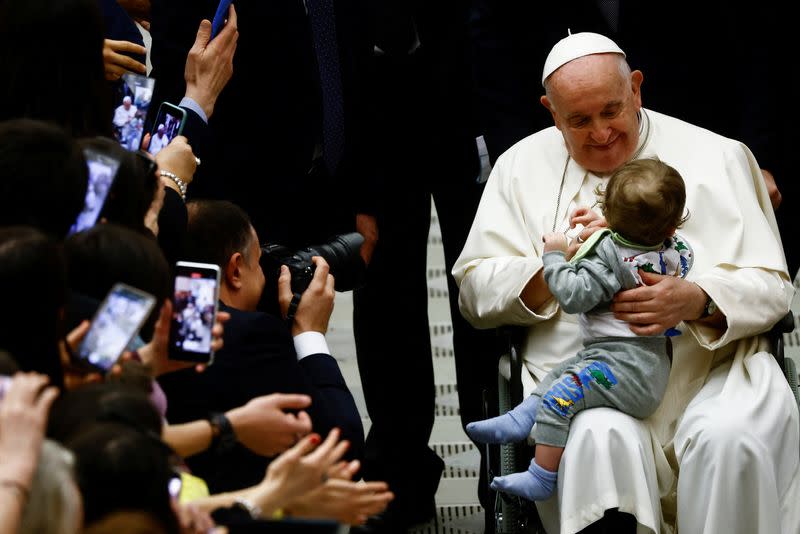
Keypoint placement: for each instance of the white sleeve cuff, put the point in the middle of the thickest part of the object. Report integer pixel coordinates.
(189, 103)
(307, 343)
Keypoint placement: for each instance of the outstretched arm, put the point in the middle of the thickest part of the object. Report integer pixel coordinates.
(578, 287)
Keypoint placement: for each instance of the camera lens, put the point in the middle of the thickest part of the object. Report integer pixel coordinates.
(341, 252)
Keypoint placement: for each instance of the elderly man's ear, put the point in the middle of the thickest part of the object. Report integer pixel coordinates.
(636, 85)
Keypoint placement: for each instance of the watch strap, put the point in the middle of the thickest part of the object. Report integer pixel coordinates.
(223, 437)
(710, 308)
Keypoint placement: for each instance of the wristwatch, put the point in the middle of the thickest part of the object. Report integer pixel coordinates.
(710, 307)
(248, 506)
(223, 437)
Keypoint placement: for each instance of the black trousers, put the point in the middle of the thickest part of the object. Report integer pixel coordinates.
(391, 319)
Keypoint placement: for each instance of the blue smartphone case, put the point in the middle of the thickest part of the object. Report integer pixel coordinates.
(219, 17)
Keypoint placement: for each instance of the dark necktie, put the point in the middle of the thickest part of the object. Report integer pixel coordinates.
(323, 33)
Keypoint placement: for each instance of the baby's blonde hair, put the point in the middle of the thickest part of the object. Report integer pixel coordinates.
(644, 201)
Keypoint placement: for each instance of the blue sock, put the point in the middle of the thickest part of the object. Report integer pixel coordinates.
(515, 425)
(535, 484)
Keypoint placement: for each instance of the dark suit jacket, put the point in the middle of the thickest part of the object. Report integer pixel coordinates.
(423, 101)
(268, 119)
(259, 359)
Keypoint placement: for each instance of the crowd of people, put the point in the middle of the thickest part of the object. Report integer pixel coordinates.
(640, 252)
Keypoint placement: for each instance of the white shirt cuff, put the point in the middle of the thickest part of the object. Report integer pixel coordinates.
(308, 343)
(189, 103)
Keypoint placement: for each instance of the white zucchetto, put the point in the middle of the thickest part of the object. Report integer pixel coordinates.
(578, 45)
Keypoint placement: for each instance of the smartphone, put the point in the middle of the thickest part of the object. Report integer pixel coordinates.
(103, 169)
(194, 311)
(115, 324)
(220, 17)
(133, 94)
(167, 126)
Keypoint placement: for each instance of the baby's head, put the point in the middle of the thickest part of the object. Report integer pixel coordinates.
(644, 201)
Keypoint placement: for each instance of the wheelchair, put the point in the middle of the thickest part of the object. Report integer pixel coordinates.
(513, 515)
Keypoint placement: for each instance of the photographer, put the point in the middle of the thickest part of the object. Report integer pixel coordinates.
(260, 357)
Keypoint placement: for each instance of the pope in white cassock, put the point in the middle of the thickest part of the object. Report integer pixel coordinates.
(721, 454)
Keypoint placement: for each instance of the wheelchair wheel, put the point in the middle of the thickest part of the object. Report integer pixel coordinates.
(508, 510)
(790, 371)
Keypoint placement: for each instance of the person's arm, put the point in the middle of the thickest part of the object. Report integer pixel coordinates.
(499, 271)
(750, 286)
(23, 416)
(578, 287)
(294, 473)
(775, 195)
(662, 303)
(209, 65)
(116, 63)
(262, 425)
(345, 501)
(177, 158)
(188, 439)
(196, 129)
(334, 405)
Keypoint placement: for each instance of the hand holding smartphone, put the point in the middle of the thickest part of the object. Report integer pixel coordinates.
(117, 321)
(194, 312)
(168, 125)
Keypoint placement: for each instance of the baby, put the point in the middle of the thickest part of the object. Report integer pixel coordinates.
(643, 204)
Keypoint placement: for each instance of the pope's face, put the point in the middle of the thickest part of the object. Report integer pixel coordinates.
(595, 105)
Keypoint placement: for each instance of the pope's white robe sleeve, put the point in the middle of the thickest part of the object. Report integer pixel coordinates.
(754, 290)
(499, 258)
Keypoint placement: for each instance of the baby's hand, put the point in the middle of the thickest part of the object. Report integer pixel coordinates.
(586, 217)
(555, 241)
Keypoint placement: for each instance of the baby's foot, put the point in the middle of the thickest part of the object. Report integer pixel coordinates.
(515, 425)
(535, 484)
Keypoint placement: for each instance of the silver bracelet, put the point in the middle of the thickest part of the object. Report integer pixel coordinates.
(253, 509)
(174, 177)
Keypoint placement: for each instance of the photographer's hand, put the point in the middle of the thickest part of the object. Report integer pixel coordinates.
(316, 303)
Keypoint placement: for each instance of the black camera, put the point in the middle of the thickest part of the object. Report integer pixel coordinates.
(342, 252)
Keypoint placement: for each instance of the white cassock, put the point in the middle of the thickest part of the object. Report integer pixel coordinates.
(123, 116)
(728, 422)
(158, 143)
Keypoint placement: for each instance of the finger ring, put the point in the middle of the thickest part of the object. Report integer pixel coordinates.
(197, 160)
(324, 477)
(579, 239)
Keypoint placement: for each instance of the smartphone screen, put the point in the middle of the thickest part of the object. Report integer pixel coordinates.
(132, 97)
(167, 126)
(102, 171)
(194, 311)
(116, 322)
(219, 17)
